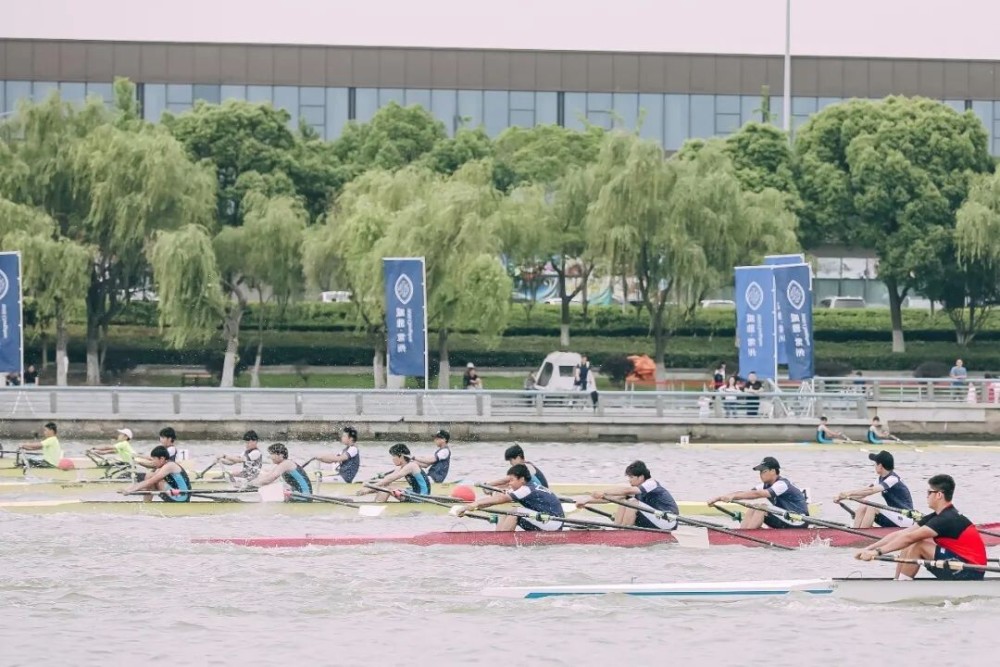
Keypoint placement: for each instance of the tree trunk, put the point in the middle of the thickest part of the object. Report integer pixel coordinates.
(896, 315)
(659, 347)
(444, 366)
(44, 340)
(564, 312)
(229, 363)
(93, 360)
(583, 294)
(255, 373)
(624, 294)
(378, 367)
(62, 342)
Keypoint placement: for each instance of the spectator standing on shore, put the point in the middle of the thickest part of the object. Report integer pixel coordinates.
(584, 380)
(471, 380)
(31, 376)
(754, 388)
(719, 377)
(959, 373)
(729, 392)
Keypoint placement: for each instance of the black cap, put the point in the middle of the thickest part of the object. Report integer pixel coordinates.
(250, 436)
(767, 463)
(884, 459)
(443, 434)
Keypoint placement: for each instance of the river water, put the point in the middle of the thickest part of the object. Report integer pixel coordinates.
(98, 590)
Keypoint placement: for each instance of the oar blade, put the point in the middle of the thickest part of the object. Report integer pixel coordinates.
(691, 537)
(371, 510)
(567, 508)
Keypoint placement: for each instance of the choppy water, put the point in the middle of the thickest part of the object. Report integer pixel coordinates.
(93, 590)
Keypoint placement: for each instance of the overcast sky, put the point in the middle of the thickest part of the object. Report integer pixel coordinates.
(886, 28)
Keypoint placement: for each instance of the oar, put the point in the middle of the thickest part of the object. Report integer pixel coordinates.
(791, 516)
(568, 504)
(954, 565)
(334, 500)
(707, 525)
(846, 508)
(735, 516)
(199, 475)
(912, 514)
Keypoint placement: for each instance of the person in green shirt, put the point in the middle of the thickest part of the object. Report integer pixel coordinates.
(51, 450)
(122, 448)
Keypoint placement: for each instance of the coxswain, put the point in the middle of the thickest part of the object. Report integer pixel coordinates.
(894, 492)
(121, 450)
(647, 493)
(51, 450)
(251, 458)
(406, 468)
(876, 434)
(531, 496)
(944, 534)
(167, 477)
(774, 488)
(349, 458)
(437, 464)
(290, 472)
(514, 455)
(826, 435)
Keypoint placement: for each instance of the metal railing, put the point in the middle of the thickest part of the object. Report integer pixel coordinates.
(913, 390)
(213, 404)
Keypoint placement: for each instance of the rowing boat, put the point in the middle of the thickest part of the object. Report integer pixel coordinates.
(791, 537)
(878, 591)
(243, 503)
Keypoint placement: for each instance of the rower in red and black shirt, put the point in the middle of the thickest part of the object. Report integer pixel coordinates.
(942, 535)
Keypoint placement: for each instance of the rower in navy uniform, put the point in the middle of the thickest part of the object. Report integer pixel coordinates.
(407, 468)
(876, 434)
(251, 458)
(438, 463)
(349, 458)
(826, 435)
(529, 495)
(647, 492)
(168, 478)
(775, 488)
(894, 492)
(514, 455)
(291, 473)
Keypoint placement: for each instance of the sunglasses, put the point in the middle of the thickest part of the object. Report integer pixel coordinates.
(932, 491)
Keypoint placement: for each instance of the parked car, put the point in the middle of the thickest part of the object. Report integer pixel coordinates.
(843, 302)
(335, 297)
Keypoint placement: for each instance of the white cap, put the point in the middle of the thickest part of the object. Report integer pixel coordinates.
(127, 432)
(470, 365)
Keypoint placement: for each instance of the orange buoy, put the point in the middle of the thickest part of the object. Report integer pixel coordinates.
(465, 493)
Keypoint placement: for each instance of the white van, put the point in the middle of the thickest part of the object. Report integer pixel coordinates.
(556, 373)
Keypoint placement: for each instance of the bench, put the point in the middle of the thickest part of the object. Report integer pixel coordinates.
(197, 379)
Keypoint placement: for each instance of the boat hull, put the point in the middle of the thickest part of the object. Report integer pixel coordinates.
(876, 591)
(794, 537)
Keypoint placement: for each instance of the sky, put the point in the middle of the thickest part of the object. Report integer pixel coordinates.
(960, 29)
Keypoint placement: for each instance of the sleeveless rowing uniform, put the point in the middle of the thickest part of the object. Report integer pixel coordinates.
(787, 496)
(171, 452)
(655, 495)
(438, 470)
(895, 494)
(179, 481)
(873, 436)
(956, 539)
(822, 438)
(420, 483)
(538, 499)
(348, 469)
(298, 482)
(538, 477)
(253, 461)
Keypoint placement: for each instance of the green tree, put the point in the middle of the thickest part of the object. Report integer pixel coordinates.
(542, 154)
(395, 137)
(977, 246)
(885, 175)
(522, 226)
(448, 155)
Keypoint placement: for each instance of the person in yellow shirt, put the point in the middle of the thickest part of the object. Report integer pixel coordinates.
(121, 449)
(51, 450)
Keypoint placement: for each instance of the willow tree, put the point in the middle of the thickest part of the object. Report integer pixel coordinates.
(522, 229)
(679, 226)
(977, 241)
(54, 270)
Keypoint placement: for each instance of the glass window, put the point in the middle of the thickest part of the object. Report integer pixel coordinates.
(957, 105)
(626, 110)
(651, 111)
(387, 95)
(312, 96)
(73, 92)
(802, 106)
(470, 107)
(42, 89)
(749, 109)
(546, 108)
(726, 123)
(3, 98)
(336, 112)
(984, 110)
(602, 119)
(575, 110)
(259, 94)
(419, 97)
(727, 104)
(444, 106)
(180, 93)
(287, 98)
(207, 92)
(365, 104)
(315, 116)
(522, 101)
(824, 102)
(599, 102)
(17, 91)
(702, 116)
(154, 101)
(677, 120)
(103, 90)
(495, 111)
(522, 118)
(233, 93)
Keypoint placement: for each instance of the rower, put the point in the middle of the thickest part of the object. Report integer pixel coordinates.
(51, 450)
(944, 534)
(251, 458)
(529, 495)
(894, 492)
(122, 449)
(514, 455)
(876, 434)
(290, 472)
(775, 488)
(349, 458)
(437, 464)
(406, 468)
(168, 439)
(169, 479)
(827, 436)
(647, 492)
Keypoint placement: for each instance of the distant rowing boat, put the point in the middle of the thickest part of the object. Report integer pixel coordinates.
(793, 537)
(878, 591)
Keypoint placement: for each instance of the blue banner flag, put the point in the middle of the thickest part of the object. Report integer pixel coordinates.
(791, 283)
(11, 329)
(755, 321)
(406, 315)
(778, 260)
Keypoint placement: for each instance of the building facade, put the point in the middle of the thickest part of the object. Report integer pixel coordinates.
(669, 97)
